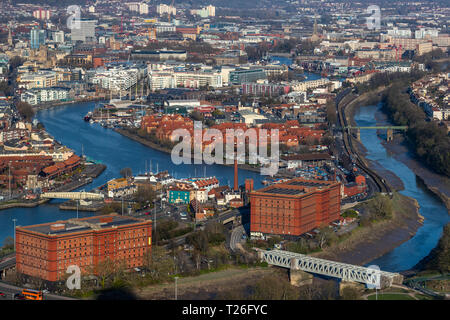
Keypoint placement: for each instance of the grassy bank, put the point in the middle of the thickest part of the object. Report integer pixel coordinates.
(366, 243)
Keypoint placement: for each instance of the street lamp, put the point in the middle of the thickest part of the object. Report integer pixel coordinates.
(176, 288)
(9, 178)
(14, 220)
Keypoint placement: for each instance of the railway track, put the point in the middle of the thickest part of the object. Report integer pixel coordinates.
(348, 143)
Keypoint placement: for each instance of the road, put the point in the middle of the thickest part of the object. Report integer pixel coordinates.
(10, 291)
(236, 237)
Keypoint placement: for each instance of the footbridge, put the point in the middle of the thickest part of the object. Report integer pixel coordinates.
(73, 195)
(345, 272)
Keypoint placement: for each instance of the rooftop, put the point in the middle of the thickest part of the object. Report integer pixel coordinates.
(82, 225)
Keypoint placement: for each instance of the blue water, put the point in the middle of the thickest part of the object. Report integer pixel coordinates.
(434, 211)
(65, 124)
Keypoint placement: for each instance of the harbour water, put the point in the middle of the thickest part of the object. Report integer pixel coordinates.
(65, 124)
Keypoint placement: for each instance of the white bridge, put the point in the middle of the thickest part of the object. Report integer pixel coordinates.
(73, 195)
(344, 271)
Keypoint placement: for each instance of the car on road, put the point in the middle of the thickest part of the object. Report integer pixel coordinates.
(19, 296)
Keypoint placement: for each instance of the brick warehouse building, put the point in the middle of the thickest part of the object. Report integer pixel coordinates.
(294, 207)
(46, 250)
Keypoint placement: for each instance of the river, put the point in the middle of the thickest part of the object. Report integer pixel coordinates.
(432, 209)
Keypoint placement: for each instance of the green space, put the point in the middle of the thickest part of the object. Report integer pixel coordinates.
(390, 296)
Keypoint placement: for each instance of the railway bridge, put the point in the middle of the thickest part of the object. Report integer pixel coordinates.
(302, 267)
(389, 130)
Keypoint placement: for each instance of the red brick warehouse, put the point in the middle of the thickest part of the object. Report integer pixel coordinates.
(46, 250)
(294, 207)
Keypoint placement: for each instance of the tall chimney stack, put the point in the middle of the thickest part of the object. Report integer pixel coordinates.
(236, 183)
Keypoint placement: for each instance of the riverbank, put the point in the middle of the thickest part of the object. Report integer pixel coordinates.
(369, 98)
(398, 148)
(49, 105)
(90, 172)
(23, 204)
(366, 244)
(438, 184)
(168, 151)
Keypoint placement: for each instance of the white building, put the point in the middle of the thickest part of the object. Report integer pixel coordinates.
(117, 78)
(399, 33)
(209, 11)
(162, 9)
(140, 7)
(58, 36)
(423, 33)
(161, 80)
(42, 95)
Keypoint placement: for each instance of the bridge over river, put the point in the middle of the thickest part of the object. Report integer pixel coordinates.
(302, 266)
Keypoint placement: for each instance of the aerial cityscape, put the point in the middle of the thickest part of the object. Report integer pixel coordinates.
(224, 151)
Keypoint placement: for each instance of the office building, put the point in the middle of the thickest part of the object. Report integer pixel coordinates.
(85, 32)
(238, 77)
(37, 37)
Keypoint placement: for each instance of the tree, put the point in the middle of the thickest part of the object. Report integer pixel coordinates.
(331, 113)
(25, 110)
(105, 270)
(326, 236)
(196, 116)
(349, 293)
(126, 172)
(272, 287)
(5, 88)
(16, 61)
(8, 243)
(381, 206)
(159, 263)
(145, 195)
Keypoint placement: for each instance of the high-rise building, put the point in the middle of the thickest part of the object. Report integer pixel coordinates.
(46, 250)
(209, 11)
(165, 9)
(58, 36)
(294, 207)
(85, 31)
(37, 37)
(42, 14)
(423, 33)
(142, 7)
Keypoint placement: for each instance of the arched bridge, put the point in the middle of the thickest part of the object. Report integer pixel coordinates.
(343, 271)
(73, 195)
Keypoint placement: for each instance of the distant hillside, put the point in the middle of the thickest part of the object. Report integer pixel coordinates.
(196, 3)
(56, 3)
